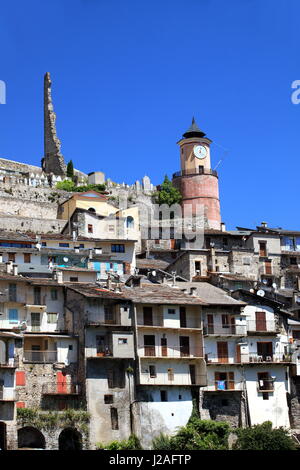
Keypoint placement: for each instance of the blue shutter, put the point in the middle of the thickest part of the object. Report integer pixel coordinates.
(13, 315)
(11, 350)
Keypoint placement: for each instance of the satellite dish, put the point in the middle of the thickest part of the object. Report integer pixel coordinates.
(38, 246)
(252, 291)
(153, 273)
(260, 292)
(23, 325)
(265, 281)
(65, 259)
(274, 285)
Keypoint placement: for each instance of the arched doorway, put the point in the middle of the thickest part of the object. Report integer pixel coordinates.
(2, 436)
(70, 439)
(31, 438)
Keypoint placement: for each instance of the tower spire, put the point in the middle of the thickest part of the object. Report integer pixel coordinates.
(193, 131)
(53, 161)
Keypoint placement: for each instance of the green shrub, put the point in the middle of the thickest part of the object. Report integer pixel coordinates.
(263, 437)
(133, 443)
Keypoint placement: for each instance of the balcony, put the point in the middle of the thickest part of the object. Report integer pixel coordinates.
(195, 171)
(42, 357)
(174, 352)
(273, 358)
(8, 394)
(105, 350)
(224, 386)
(11, 363)
(182, 379)
(248, 358)
(262, 328)
(225, 330)
(61, 388)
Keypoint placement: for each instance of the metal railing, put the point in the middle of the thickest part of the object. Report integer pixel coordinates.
(60, 388)
(178, 379)
(225, 330)
(40, 356)
(262, 326)
(8, 394)
(169, 351)
(245, 358)
(195, 171)
(11, 362)
(223, 385)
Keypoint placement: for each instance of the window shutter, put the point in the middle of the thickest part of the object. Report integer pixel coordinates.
(20, 378)
(231, 380)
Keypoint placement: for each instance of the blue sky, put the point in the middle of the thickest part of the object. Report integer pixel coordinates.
(129, 75)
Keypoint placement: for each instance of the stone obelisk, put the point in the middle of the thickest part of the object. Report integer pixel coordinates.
(53, 161)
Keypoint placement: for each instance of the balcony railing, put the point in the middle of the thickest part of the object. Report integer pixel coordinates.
(224, 385)
(247, 358)
(170, 351)
(12, 362)
(60, 388)
(265, 385)
(195, 171)
(225, 330)
(8, 394)
(262, 326)
(178, 379)
(40, 356)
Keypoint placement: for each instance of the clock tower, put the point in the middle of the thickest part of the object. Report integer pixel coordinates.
(196, 181)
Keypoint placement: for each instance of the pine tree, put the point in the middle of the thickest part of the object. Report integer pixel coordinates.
(70, 169)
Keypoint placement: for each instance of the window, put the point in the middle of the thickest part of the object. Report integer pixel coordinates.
(53, 294)
(268, 267)
(51, 317)
(27, 258)
(81, 245)
(122, 341)
(70, 347)
(108, 399)
(64, 245)
(198, 267)
(225, 241)
(293, 260)
(111, 228)
(37, 296)
(109, 316)
(90, 228)
(171, 311)
(73, 279)
(170, 374)
(114, 418)
(44, 243)
(129, 222)
(225, 321)
(152, 372)
(13, 315)
(118, 248)
(262, 248)
(163, 395)
(12, 257)
(12, 292)
(148, 316)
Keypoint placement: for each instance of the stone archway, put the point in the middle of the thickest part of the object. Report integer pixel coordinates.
(70, 439)
(3, 443)
(31, 438)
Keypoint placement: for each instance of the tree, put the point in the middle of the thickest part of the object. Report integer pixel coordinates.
(70, 169)
(168, 194)
(132, 443)
(196, 435)
(263, 437)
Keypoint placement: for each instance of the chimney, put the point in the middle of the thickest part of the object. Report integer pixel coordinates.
(264, 224)
(223, 227)
(15, 269)
(9, 267)
(109, 282)
(59, 277)
(193, 290)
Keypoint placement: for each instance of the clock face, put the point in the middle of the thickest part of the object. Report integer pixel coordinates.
(200, 151)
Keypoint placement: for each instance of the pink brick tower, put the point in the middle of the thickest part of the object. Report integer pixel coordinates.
(197, 182)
